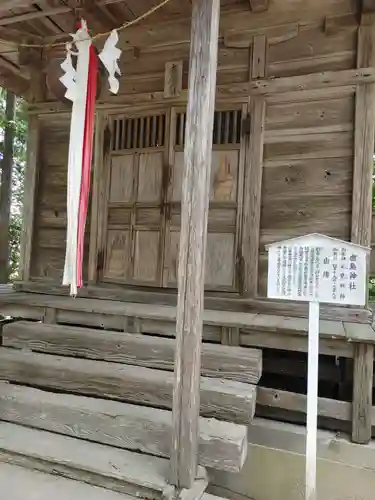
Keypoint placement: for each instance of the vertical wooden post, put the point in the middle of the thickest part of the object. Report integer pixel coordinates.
(6, 186)
(361, 223)
(30, 193)
(99, 190)
(252, 197)
(191, 268)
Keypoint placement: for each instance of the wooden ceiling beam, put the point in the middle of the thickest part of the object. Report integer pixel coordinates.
(17, 36)
(90, 10)
(11, 4)
(13, 68)
(54, 11)
(259, 5)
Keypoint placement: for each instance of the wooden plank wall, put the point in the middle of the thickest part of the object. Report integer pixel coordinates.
(49, 241)
(308, 150)
(307, 171)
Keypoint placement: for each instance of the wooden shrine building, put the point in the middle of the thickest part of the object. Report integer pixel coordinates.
(87, 383)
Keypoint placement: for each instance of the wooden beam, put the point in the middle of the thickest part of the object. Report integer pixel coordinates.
(17, 36)
(194, 214)
(222, 445)
(223, 399)
(30, 194)
(119, 470)
(10, 66)
(253, 193)
(259, 5)
(29, 16)
(6, 185)
(362, 393)
(258, 67)
(218, 361)
(12, 4)
(99, 193)
(361, 223)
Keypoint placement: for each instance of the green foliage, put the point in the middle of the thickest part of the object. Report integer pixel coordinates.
(19, 161)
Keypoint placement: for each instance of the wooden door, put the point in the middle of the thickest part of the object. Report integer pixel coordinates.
(135, 212)
(144, 185)
(222, 255)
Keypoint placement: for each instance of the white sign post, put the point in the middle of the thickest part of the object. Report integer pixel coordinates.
(316, 268)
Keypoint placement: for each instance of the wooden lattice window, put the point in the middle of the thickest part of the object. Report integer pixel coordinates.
(227, 128)
(138, 132)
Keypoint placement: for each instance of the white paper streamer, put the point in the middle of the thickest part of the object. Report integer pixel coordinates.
(109, 57)
(77, 92)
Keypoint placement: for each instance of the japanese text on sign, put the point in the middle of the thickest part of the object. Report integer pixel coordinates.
(324, 273)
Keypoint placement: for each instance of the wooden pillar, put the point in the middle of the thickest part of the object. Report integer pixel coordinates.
(253, 196)
(6, 186)
(29, 197)
(191, 267)
(361, 222)
(99, 197)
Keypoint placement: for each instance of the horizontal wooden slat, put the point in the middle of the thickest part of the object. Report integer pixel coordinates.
(110, 314)
(308, 146)
(119, 470)
(310, 114)
(222, 445)
(234, 363)
(296, 179)
(223, 399)
(329, 408)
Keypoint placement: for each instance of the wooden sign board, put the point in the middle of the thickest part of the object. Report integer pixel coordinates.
(316, 268)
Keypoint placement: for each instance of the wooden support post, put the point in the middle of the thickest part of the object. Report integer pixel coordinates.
(252, 198)
(6, 186)
(195, 200)
(30, 193)
(99, 197)
(361, 224)
(362, 392)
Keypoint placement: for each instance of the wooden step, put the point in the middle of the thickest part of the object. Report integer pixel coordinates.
(234, 363)
(24, 484)
(222, 445)
(104, 466)
(222, 399)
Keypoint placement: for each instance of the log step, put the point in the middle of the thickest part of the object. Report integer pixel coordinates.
(222, 445)
(96, 464)
(234, 363)
(222, 399)
(21, 484)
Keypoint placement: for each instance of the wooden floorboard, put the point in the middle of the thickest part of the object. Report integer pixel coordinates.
(223, 399)
(111, 314)
(265, 322)
(222, 445)
(234, 363)
(104, 466)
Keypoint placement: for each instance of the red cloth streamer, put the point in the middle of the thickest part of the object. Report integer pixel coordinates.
(87, 159)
